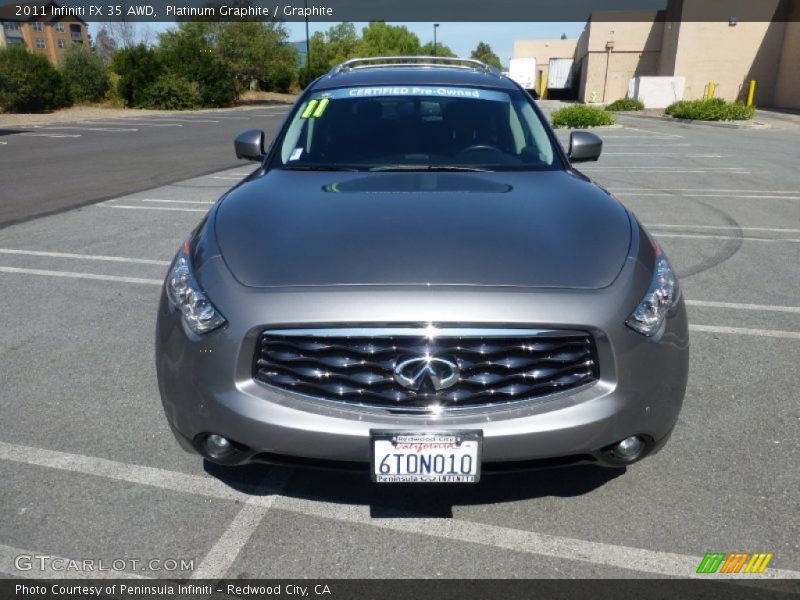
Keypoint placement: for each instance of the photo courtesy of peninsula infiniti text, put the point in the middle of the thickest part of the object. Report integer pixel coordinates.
(417, 284)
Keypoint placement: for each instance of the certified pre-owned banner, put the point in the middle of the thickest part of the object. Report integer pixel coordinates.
(399, 10)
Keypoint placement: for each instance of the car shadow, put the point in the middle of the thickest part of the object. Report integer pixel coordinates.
(14, 131)
(419, 500)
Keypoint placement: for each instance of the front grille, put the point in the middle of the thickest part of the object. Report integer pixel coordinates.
(360, 366)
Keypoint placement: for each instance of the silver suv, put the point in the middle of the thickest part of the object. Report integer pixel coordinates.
(416, 282)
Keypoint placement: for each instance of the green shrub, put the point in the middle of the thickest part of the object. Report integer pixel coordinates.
(626, 104)
(186, 54)
(580, 116)
(85, 74)
(113, 96)
(138, 67)
(715, 109)
(170, 92)
(29, 83)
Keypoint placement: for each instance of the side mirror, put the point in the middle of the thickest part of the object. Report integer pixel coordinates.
(250, 145)
(584, 146)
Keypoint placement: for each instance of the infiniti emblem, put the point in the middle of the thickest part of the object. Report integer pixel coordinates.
(439, 373)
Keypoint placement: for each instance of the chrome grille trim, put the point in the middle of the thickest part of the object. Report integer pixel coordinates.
(355, 365)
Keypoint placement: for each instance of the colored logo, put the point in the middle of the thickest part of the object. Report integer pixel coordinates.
(734, 562)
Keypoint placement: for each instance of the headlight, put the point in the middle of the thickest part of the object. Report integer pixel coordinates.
(662, 295)
(185, 294)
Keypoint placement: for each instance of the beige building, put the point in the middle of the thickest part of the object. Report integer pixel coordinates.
(681, 42)
(49, 36)
(543, 51)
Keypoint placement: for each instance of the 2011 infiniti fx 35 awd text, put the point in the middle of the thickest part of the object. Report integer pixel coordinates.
(417, 282)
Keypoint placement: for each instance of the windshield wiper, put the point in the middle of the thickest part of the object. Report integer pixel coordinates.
(317, 168)
(453, 168)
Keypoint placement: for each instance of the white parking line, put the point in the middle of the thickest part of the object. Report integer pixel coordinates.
(732, 195)
(706, 190)
(83, 128)
(132, 207)
(736, 306)
(516, 540)
(658, 169)
(231, 118)
(188, 120)
(772, 333)
(9, 554)
(226, 549)
(658, 133)
(122, 259)
(721, 227)
(73, 275)
(51, 135)
(225, 177)
(139, 122)
(651, 145)
(699, 236)
(637, 137)
(681, 154)
(179, 201)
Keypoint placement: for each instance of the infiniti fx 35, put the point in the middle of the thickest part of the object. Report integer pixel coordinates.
(418, 283)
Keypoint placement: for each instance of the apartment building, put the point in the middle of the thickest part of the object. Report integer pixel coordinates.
(49, 36)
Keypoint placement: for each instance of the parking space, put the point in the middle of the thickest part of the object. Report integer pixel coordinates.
(135, 124)
(92, 471)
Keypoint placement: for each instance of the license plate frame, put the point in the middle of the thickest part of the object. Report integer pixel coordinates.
(474, 449)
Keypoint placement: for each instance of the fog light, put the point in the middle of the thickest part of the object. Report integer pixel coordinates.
(218, 446)
(629, 448)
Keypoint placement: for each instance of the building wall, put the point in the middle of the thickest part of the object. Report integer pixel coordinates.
(787, 85)
(543, 51)
(614, 47)
(746, 40)
(730, 56)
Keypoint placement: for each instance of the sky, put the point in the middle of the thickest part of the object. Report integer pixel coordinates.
(460, 37)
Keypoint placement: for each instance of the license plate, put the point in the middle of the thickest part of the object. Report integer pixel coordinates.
(430, 457)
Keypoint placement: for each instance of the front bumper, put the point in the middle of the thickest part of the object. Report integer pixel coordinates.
(207, 387)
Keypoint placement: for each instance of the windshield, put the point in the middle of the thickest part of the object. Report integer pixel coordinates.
(416, 128)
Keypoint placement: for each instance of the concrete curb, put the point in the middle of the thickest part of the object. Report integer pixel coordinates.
(724, 124)
(614, 126)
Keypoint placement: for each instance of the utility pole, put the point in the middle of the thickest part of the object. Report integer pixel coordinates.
(435, 27)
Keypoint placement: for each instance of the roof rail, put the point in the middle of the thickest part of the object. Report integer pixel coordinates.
(374, 62)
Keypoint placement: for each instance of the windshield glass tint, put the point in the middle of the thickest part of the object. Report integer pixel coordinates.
(416, 127)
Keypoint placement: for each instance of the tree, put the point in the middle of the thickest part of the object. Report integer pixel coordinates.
(328, 49)
(127, 34)
(483, 52)
(441, 50)
(380, 39)
(563, 36)
(105, 46)
(342, 43)
(137, 67)
(187, 54)
(257, 51)
(85, 74)
(29, 83)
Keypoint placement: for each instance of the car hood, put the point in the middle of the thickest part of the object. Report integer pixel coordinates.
(528, 229)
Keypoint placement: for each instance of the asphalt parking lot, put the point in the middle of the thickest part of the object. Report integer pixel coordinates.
(91, 471)
(51, 167)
